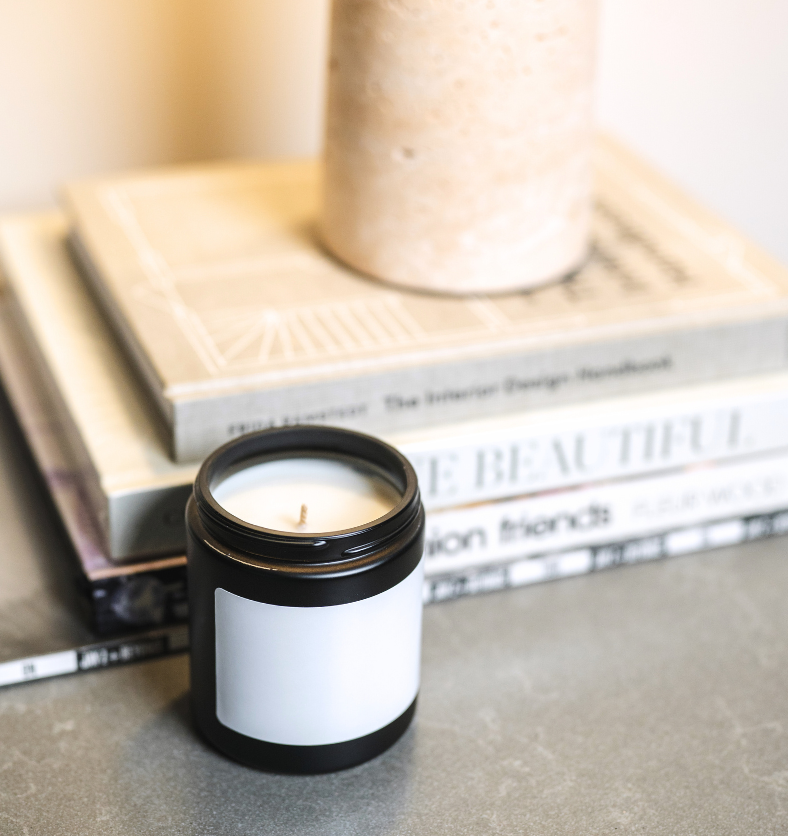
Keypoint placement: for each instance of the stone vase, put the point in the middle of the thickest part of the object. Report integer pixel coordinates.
(458, 141)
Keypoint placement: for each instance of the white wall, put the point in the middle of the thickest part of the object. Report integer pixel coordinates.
(699, 86)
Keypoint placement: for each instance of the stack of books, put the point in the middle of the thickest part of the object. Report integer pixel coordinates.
(636, 410)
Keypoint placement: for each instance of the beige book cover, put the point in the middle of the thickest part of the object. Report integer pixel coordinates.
(58, 341)
(238, 319)
(154, 591)
(117, 444)
(114, 594)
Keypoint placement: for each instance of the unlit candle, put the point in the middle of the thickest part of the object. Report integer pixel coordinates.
(307, 495)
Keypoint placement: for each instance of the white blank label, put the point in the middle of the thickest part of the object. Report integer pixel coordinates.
(308, 676)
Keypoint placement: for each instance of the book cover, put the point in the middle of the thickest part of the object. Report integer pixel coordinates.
(237, 319)
(470, 549)
(139, 494)
(117, 597)
(43, 629)
(537, 543)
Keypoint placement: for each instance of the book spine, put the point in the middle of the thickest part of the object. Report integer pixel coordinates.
(538, 568)
(633, 439)
(629, 441)
(461, 538)
(427, 395)
(108, 654)
(461, 469)
(442, 587)
(138, 599)
(481, 541)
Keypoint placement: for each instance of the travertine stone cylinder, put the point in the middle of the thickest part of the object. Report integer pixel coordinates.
(458, 140)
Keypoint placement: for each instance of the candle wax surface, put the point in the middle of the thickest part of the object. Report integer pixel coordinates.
(338, 494)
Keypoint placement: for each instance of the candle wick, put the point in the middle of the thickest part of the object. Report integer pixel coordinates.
(302, 518)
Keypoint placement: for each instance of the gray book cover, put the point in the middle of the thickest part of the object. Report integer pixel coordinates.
(237, 319)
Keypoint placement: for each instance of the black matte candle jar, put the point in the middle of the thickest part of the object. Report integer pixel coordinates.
(305, 643)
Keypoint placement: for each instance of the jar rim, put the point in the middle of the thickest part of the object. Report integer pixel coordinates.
(307, 441)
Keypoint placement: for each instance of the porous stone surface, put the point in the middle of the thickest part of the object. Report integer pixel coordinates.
(457, 154)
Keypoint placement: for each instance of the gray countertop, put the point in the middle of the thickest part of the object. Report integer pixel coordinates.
(647, 699)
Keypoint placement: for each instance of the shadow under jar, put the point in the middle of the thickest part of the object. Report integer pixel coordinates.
(305, 595)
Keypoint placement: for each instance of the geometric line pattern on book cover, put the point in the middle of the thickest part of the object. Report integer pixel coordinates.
(628, 272)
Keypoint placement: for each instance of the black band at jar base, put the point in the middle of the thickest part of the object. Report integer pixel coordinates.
(304, 760)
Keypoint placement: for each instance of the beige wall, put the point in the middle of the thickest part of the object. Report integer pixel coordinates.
(699, 86)
(94, 85)
(267, 75)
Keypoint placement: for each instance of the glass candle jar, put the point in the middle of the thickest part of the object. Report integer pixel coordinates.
(305, 594)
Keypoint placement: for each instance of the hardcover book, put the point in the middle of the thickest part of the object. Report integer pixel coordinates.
(476, 549)
(117, 597)
(237, 319)
(470, 550)
(139, 494)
